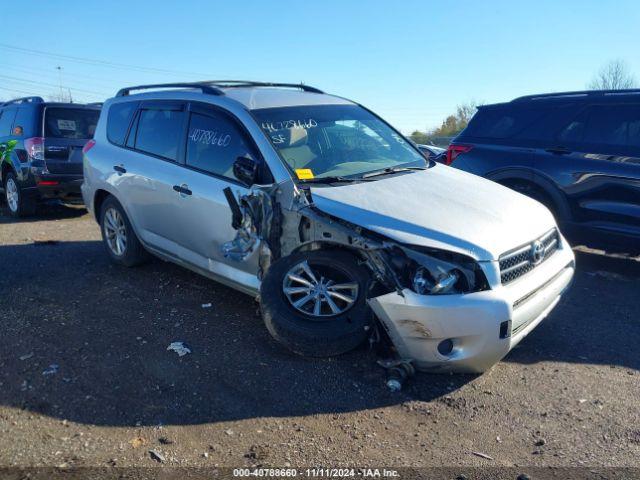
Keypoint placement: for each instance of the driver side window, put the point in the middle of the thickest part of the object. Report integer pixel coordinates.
(214, 142)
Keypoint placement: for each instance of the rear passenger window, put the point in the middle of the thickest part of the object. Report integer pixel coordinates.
(159, 132)
(614, 125)
(118, 121)
(6, 121)
(214, 142)
(573, 131)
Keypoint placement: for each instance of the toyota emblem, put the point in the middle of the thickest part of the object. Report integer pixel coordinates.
(537, 252)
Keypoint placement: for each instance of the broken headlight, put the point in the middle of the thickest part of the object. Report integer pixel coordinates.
(437, 272)
(426, 282)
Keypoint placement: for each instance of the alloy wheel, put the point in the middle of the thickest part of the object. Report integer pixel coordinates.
(319, 290)
(13, 196)
(115, 231)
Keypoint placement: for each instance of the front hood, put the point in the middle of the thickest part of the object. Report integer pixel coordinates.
(440, 207)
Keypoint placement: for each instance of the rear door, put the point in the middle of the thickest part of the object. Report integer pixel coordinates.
(597, 158)
(146, 170)
(66, 129)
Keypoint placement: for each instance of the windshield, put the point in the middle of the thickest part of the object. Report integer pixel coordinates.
(335, 141)
(62, 122)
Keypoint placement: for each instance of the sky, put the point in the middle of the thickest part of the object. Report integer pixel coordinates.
(411, 62)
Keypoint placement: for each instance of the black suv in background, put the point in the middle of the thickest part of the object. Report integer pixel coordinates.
(576, 152)
(41, 151)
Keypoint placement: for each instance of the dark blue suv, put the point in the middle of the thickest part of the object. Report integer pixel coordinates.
(41, 151)
(576, 152)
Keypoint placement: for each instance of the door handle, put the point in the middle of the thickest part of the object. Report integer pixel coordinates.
(182, 189)
(120, 169)
(558, 150)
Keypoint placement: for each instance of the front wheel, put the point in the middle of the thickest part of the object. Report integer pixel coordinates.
(315, 303)
(118, 236)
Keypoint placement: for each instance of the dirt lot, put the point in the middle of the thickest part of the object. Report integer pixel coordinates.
(567, 396)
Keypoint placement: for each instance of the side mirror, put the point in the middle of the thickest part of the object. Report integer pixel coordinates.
(245, 169)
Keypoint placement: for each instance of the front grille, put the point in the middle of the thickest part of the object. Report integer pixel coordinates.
(523, 259)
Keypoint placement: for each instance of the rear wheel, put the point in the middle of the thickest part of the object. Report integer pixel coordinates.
(314, 303)
(118, 236)
(20, 205)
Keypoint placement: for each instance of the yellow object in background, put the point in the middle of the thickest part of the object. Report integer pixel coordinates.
(304, 173)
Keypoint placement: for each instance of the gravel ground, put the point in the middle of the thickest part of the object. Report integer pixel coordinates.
(86, 378)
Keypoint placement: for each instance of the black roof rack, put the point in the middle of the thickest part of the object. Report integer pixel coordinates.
(577, 93)
(251, 83)
(203, 86)
(212, 87)
(23, 100)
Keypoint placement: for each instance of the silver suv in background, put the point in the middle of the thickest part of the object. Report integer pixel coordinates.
(326, 212)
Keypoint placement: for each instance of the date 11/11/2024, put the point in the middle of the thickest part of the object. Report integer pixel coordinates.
(317, 472)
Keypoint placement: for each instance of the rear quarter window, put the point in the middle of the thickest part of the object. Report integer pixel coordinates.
(63, 122)
(118, 121)
(27, 119)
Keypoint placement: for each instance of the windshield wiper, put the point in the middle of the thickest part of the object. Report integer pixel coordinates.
(330, 179)
(389, 170)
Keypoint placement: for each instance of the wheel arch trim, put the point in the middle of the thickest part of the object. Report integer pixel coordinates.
(539, 180)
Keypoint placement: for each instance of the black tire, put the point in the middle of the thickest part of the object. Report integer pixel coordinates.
(133, 253)
(307, 335)
(24, 205)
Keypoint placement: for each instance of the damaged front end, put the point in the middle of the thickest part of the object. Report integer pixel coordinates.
(261, 222)
(256, 219)
(281, 219)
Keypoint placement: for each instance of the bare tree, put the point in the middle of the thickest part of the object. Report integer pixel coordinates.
(61, 97)
(613, 76)
(465, 111)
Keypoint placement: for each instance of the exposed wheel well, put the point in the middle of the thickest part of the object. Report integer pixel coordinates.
(6, 168)
(377, 287)
(330, 246)
(98, 199)
(533, 190)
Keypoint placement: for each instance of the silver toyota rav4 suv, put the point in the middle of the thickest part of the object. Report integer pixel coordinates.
(329, 215)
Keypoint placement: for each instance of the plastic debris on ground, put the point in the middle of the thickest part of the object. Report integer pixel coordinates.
(482, 455)
(156, 455)
(206, 305)
(51, 369)
(180, 348)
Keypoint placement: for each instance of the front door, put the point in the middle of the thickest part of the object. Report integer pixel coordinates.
(214, 141)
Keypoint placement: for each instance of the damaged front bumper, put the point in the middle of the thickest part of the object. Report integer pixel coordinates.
(478, 328)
